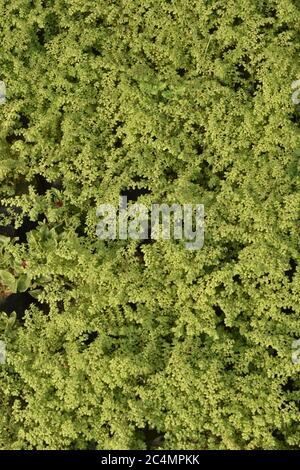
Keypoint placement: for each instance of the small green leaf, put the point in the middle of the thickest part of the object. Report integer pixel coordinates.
(5, 240)
(23, 283)
(35, 293)
(11, 320)
(8, 280)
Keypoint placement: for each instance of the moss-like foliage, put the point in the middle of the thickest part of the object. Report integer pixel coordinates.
(131, 344)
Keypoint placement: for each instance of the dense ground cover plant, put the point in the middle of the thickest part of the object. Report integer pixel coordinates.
(129, 342)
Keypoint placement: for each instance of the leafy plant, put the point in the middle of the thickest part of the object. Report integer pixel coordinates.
(186, 102)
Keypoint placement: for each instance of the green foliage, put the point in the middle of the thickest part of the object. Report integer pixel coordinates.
(191, 101)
